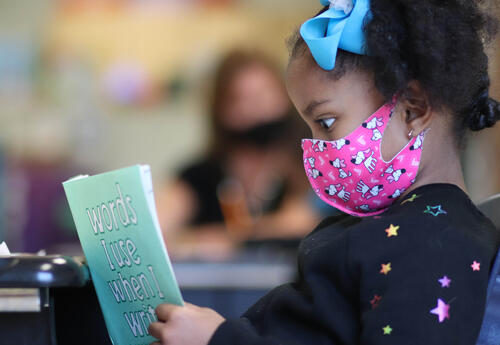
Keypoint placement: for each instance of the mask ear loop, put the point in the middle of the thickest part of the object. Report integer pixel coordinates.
(411, 135)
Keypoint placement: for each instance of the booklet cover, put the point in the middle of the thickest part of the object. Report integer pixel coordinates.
(116, 220)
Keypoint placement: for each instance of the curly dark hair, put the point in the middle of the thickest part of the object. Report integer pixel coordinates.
(439, 43)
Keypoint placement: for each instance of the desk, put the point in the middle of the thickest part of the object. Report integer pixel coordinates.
(230, 287)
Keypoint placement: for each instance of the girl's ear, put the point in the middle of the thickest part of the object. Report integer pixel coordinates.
(418, 114)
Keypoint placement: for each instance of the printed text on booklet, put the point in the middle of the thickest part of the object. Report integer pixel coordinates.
(119, 215)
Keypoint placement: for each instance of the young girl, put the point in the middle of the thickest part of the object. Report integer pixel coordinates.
(389, 89)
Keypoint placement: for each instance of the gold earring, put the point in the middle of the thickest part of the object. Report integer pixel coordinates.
(410, 135)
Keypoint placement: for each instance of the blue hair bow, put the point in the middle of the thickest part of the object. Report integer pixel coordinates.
(335, 29)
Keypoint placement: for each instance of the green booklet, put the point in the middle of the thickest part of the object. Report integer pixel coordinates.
(116, 220)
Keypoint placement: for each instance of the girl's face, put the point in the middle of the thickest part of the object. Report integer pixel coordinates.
(334, 108)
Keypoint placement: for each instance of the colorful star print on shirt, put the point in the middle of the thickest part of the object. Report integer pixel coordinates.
(445, 281)
(476, 266)
(375, 301)
(435, 210)
(387, 330)
(411, 199)
(392, 230)
(442, 310)
(386, 268)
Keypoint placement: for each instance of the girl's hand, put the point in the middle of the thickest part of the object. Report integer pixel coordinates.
(188, 325)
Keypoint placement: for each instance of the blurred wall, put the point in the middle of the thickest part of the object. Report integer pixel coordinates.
(72, 105)
(93, 85)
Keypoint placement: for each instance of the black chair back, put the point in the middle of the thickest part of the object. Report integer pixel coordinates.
(491, 209)
(490, 329)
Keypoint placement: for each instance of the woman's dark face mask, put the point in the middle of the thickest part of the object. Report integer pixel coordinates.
(261, 136)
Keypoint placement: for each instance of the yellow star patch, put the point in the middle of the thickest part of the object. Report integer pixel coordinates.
(392, 230)
(386, 268)
(411, 199)
(387, 330)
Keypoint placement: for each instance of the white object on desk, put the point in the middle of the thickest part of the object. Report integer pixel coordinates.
(4, 250)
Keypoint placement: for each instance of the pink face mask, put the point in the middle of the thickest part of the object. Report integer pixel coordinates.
(350, 173)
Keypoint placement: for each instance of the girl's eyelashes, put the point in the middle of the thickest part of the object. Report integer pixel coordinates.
(326, 123)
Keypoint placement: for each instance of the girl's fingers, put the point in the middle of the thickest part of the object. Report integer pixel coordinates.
(156, 329)
(163, 311)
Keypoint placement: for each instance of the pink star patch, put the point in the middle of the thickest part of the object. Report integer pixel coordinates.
(445, 281)
(476, 266)
(375, 301)
(442, 310)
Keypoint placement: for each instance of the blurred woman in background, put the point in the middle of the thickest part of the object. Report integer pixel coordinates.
(250, 185)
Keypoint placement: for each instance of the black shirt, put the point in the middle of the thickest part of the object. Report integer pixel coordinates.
(416, 274)
(204, 177)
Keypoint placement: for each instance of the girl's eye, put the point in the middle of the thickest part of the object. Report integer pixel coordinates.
(326, 123)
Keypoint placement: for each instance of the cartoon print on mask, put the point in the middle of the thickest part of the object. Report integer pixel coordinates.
(396, 175)
(365, 208)
(363, 188)
(332, 190)
(339, 164)
(338, 144)
(397, 193)
(365, 157)
(343, 174)
(370, 163)
(345, 196)
(389, 170)
(319, 145)
(360, 157)
(373, 124)
(311, 161)
(418, 142)
(345, 184)
(376, 135)
(315, 173)
(375, 190)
